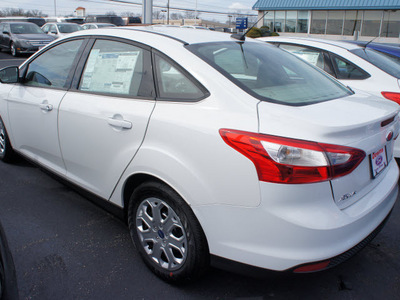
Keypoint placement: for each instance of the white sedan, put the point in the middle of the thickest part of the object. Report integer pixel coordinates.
(60, 29)
(354, 65)
(211, 147)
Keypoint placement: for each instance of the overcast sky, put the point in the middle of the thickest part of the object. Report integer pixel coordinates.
(66, 7)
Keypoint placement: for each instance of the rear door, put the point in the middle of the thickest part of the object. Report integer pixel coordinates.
(102, 122)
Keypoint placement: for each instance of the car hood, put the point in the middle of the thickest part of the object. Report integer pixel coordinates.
(34, 36)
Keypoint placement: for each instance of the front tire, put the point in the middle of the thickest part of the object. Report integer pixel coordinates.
(7, 153)
(14, 51)
(166, 233)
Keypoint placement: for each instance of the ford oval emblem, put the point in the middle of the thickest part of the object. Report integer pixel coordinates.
(389, 136)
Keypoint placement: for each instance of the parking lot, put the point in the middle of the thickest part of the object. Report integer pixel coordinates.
(66, 247)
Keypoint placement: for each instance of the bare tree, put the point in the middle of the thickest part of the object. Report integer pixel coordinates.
(111, 13)
(158, 14)
(20, 12)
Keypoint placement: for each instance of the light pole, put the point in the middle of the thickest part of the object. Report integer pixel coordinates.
(168, 12)
(195, 15)
(55, 8)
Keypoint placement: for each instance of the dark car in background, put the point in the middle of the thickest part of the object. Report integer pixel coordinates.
(22, 37)
(113, 19)
(8, 279)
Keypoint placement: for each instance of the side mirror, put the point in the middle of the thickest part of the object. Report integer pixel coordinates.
(6, 32)
(53, 32)
(9, 75)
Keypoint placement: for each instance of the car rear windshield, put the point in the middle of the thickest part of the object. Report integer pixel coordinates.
(269, 73)
(383, 61)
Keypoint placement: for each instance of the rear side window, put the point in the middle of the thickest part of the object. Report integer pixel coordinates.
(175, 84)
(269, 73)
(48, 70)
(346, 70)
(117, 68)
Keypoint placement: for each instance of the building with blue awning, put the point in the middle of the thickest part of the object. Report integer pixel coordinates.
(344, 19)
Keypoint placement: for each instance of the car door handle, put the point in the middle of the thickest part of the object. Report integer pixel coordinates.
(46, 106)
(119, 123)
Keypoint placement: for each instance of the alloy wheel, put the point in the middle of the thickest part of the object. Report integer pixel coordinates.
(161, 233)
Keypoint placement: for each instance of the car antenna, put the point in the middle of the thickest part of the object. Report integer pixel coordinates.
(370, 41)
(242, 37)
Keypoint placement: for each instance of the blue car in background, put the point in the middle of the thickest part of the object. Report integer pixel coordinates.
(392, 50)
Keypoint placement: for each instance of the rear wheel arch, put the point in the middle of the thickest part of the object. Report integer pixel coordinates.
(143, 198)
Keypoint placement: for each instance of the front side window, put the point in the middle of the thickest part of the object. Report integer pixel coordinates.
(117, 68)
(269, 73)
(53, 68)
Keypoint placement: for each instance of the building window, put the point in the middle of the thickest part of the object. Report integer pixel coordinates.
(391, 24)
(291, 20)
(302, 21)
(279, 21)
(269, 20)
(335, 22)
(352, 22)
(318, 22)
(372, 23)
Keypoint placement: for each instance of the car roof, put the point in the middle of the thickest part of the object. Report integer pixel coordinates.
(182, 35)
(341, 44)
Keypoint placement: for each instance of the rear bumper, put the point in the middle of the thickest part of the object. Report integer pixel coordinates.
(297, 225)
(242, 268)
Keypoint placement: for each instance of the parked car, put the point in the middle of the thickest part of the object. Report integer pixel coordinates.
(358, 67)
(39, 21)
(211, 147)
(116, 20)
(60, 29)
(355, 66)
(22, 37)
(391, 49)
(8, 278)
(96, 25)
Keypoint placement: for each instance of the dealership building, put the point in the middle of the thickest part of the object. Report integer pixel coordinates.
(335, 19)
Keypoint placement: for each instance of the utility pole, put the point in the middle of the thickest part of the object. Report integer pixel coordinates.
(168, 12)
(147, 11)
(55, 8)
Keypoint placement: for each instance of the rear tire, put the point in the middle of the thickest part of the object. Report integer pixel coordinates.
(7, 153)
(167, 234)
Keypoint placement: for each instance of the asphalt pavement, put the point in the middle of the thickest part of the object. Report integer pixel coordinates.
(66, 247)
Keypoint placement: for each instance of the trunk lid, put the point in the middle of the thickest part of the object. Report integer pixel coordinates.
(360, 121)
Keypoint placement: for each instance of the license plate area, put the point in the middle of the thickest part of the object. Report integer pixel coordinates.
(378, 160)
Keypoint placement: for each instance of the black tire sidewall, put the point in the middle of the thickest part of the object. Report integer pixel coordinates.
(8, 154)
(197, 259)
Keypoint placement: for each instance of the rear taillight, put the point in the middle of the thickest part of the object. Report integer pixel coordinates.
(392, 96)
(284, 160)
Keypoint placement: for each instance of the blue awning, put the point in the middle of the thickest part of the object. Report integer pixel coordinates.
(326, 4)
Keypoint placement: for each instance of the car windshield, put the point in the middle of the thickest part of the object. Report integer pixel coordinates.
(383, 61)
(25, 28)
(269, 73)
(68, 28)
